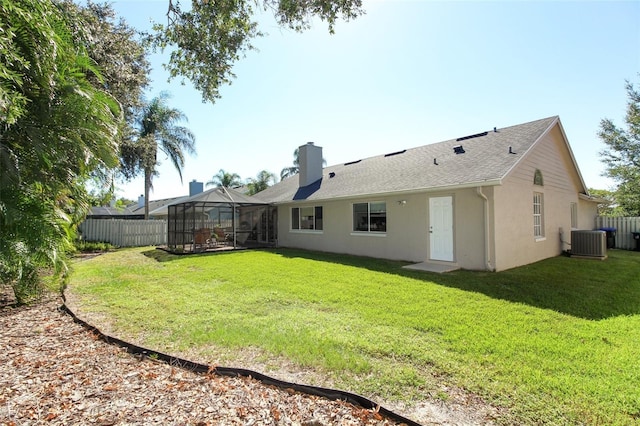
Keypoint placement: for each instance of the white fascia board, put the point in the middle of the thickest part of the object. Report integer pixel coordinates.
(444, 188)
(573, 158)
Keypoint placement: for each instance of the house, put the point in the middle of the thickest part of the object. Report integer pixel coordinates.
(134, 211)
(489, 201)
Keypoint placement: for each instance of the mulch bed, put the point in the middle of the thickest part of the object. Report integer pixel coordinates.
(53, 371)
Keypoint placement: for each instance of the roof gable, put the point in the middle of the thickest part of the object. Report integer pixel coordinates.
(551, 153)
(480, 159)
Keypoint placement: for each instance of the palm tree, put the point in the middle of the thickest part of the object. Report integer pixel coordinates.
(158, 130)
(261, 182)
(290, 171)
(226, 179)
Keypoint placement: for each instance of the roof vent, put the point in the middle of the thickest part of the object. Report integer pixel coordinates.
(458, 149)
(477, 135)
(511, 151)
(391, 154)
(495, 130)
(352, 162)
(435, 161)
(332, 174)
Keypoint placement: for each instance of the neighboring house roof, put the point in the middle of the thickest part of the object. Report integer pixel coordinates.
(113, 213)
(132, 211)
(154, 204)
(243, 189)
(487, 159)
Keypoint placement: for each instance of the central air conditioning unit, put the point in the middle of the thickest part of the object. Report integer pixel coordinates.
(589, 244)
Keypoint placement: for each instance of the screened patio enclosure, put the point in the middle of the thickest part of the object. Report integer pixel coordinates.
(220, 219)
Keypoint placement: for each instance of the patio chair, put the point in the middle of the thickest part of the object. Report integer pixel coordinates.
(220, 236)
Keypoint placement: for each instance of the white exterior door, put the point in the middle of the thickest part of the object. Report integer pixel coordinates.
(441, 228)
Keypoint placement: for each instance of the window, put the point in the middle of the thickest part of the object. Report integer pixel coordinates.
(308, 218)
(574, 215)
(537, 178)
(538, 215)
(370, 217)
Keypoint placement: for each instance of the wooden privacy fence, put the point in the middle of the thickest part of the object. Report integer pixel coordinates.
(624, 228)
(125, 233)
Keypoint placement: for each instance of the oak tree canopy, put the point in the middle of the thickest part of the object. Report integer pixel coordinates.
(207, 37)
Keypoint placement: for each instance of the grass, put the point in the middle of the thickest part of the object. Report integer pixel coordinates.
(556, 342)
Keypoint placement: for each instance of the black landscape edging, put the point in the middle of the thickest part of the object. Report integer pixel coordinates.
(331, 394)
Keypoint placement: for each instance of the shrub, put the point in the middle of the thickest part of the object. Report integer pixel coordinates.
(93, 246)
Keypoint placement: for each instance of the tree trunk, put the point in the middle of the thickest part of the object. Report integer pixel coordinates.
(147, 186)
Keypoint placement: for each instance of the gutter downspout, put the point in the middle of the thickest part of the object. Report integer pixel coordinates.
(487, 246)
(233, 204)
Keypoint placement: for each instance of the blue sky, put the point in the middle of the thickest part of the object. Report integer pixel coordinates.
(406, 74)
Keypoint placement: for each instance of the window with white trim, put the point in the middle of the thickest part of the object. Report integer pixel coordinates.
(370, 217)
(574, 215)
(306, 218)
(538, 215)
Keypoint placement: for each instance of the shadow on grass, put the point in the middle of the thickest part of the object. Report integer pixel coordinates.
(588, 289)
(161, 255)
(583, 288)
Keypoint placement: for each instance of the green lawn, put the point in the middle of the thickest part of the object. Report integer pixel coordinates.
(556, 342)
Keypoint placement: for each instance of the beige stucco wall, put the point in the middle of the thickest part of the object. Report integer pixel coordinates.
(405, 225)
(407, 236)
(587, 213)
(469, 228)
(515, 244)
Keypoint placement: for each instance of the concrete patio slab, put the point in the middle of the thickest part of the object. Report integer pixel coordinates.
(432, 267)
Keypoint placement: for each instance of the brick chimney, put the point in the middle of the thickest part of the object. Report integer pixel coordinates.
(309, 164)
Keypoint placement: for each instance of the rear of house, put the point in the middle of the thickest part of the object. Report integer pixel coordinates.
(490, 201)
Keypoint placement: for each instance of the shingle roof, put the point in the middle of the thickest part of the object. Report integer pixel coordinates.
(485, 161)
(154, 204)
(103, 211)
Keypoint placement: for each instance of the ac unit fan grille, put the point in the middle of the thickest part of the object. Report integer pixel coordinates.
(589, 243)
